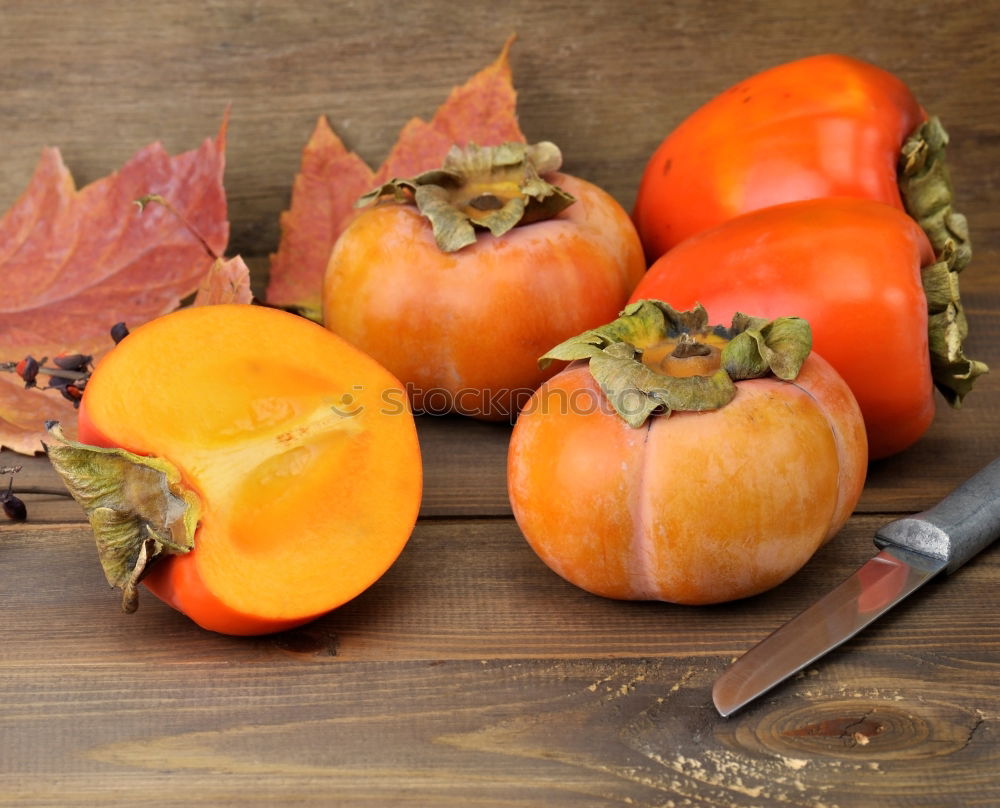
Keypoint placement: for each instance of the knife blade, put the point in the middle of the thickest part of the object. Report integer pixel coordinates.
(912, 551)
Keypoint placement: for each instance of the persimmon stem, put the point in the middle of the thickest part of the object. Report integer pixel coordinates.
(688, 346)
(491, 188)
(143, 201)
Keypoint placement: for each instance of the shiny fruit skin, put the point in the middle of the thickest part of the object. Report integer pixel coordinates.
(464, 330)
(850, 267)
(819, 127)
(694, 508)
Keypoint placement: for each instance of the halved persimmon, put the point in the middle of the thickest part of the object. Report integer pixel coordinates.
(294, 453)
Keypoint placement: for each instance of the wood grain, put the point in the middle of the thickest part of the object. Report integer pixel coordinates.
(524, 733)
(462, 589)
(606, 82)
(471, 675)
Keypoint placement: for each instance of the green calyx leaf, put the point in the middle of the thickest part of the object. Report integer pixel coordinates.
(493, 188)
(137, 507)
(755, 348)
(636, 391)
(925, 185)
(640, 324)
(759, 347)
(947, 327)
(926, 189)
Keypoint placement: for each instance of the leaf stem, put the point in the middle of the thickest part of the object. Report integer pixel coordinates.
(143, 201)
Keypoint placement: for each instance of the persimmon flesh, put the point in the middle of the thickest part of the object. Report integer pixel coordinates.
(300, 448)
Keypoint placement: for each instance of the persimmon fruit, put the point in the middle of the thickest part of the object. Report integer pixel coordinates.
(437, 283)
(778, 158)
(297, 452)
(820, 127)
(635, 477)
(852, 268)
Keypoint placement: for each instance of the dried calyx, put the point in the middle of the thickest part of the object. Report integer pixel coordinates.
(926, 190)
(493, 188)
(655, 359)
(138, 507)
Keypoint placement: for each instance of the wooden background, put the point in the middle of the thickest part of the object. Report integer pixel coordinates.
(471, 675)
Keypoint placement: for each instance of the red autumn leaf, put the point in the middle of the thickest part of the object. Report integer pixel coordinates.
(226, 282)
(331, 178)
(329, 181)
(481, 111)
(75, 262)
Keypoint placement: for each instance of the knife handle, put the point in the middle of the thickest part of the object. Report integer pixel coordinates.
(961, 525)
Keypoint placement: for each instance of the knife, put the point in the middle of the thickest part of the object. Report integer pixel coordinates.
(913, 550)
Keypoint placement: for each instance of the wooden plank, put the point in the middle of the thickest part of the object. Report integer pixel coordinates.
(464, 589)
(465, 461)
(465, 469)
(470, 675)
(594, 732)
(606, 82)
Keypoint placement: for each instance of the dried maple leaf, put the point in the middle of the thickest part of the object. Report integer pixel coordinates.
(75, 262)
(481, 111)
(226, 282)
(331, 178)
(329, 181)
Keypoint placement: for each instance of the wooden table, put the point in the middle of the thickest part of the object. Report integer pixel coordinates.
(470, 675)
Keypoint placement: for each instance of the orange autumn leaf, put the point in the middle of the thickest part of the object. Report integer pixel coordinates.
(77, 261)
(331, 178)
(228, 281)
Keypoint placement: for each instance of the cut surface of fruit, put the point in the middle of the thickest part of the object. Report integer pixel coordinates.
(301, 449)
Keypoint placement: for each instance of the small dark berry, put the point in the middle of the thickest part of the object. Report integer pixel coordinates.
(71, 392)
(14, 508)
(27, 369)
(72, 361)
(118, 332)
(59, 382)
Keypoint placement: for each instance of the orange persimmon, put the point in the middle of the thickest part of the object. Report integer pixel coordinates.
(853, 269)
(293, 453)
(683, 463)
(816, 128)
(456, 300)
(790, 155)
